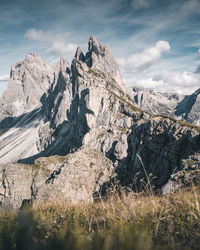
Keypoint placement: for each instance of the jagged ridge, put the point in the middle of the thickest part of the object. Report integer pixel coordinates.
(181, 107)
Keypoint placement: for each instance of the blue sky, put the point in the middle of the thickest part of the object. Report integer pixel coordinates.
(156, 42)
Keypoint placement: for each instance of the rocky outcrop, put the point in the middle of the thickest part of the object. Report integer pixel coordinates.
(73, 178)
(86, 135)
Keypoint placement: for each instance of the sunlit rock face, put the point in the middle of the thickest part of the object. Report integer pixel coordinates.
(76, 133)
(29, 80)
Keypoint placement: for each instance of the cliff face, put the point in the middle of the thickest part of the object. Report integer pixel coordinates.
(84, 133)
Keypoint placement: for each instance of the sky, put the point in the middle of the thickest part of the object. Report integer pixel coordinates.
(156, 42)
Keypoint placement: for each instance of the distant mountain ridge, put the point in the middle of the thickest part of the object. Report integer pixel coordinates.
(71, 133)
(189, 108)
(179, 106)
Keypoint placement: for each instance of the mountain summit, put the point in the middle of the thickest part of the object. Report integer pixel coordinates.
(72, 132)
(101, 59)
(29, 80)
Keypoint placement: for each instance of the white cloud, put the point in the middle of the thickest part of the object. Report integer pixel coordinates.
(58, 44)
(39, 35)
(165, 76)
(62, 48)
(174, 82)
(4, 78)
(142, 61)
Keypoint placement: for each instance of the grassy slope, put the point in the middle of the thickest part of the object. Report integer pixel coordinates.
(139, 222)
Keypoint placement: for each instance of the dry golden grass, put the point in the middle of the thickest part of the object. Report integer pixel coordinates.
(141, 221)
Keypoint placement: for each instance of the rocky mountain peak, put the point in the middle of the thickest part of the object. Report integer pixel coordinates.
(63, 65)
(29, 80)
(100, 59)
(33, 60)
(33, 56)
(32, 64)
(95, 46)
(79, 55)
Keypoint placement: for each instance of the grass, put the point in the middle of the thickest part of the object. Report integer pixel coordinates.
(5, 112)
(101, 75)
(138, 222)
(133, 107)
(51, 159)
(180, 122)
(189, 125)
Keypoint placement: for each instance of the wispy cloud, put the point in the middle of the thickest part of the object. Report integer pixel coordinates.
(140, 4)
(58, 45)
(4, 78)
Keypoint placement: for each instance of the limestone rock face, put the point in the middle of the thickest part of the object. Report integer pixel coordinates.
(73, 178)
(86, 135)
(29, 80)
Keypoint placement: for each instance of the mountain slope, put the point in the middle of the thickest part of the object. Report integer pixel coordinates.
(86, 134)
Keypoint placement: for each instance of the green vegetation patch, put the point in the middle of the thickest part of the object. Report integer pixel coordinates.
(182, 123)
(51, 159)
(97, 74)
(189, 125)
(5, 112)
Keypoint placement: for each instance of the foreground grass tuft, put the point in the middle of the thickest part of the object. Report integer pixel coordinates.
(137, 222)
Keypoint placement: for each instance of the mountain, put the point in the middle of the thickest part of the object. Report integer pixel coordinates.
(189, 108)
(29, 80)
(81, 134)
(155, 102)
(182, 107)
